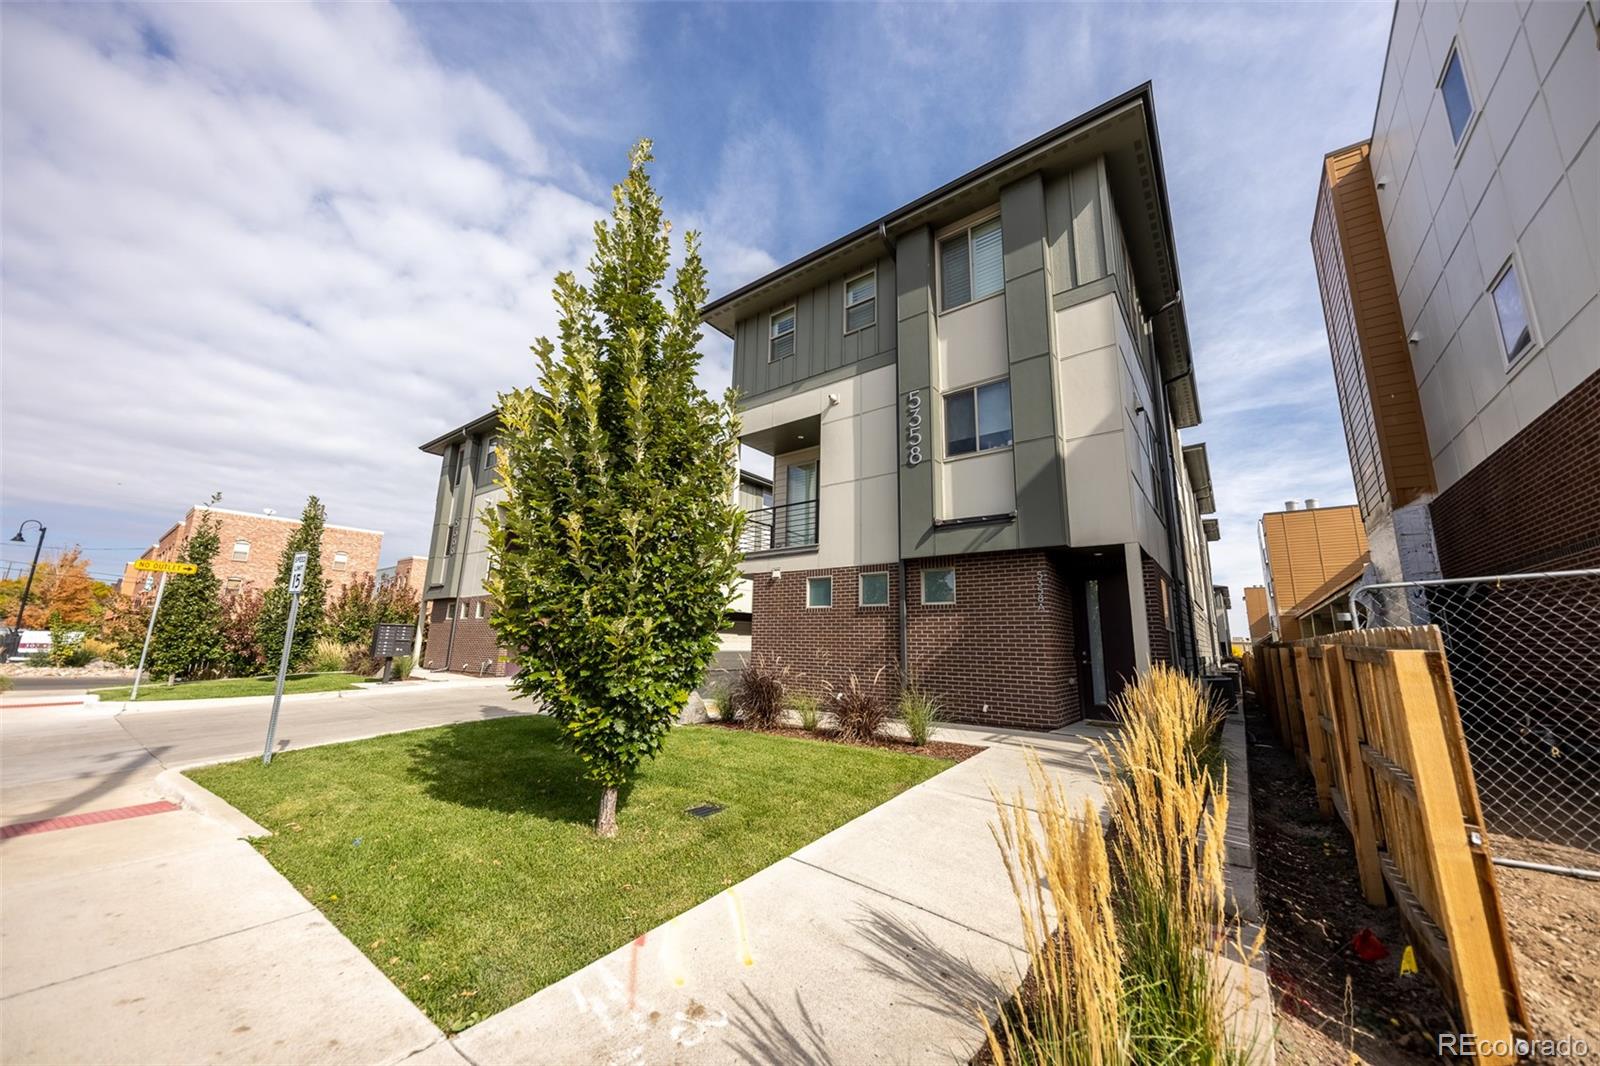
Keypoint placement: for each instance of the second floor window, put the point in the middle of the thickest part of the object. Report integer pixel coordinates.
(241, 551)
(340, 560)
(970, 265)
(978, 419)
(490, 454)
(1457, 97)
(861, 302)
(1515, 332)
(780, 343)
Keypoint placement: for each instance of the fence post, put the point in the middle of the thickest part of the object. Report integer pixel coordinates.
(1356, 782)
(1477, 963)
(1293, 720)
(1311, 701)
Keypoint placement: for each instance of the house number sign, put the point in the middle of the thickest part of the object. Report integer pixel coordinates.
(913, 427)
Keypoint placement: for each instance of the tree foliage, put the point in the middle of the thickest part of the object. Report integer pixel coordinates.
(615, 548)
(363, 604)
(274, 616)
(63, 593)
(187, 641)
(241, 648)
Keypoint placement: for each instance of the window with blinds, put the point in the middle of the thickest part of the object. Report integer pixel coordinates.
(861, 302)
(971, 265)
(780, 342)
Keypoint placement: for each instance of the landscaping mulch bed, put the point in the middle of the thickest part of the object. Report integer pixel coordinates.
(1555, 926)
(1329, 1000)
(934, 749)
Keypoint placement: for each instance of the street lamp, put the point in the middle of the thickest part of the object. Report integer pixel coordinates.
(16, 633)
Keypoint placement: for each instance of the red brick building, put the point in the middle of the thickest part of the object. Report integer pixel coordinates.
(252, 544)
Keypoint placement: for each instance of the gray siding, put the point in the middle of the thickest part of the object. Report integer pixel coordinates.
(821, 345)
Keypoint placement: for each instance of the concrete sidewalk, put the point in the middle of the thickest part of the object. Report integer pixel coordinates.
(877, 943)
(163, 938)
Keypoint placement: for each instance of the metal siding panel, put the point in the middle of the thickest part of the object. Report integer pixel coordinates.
(1088, 236)
(1022, 226)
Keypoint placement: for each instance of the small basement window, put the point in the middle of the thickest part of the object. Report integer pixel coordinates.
(875, 589)
(939, 586)
(780, 337)
(1512, 312)
(819, 592)
(861, 302)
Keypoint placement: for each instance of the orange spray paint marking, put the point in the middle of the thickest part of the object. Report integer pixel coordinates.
(736, 911)
(633, 968)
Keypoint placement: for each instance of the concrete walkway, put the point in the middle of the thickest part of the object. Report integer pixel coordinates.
(163, 938)
(876, 943)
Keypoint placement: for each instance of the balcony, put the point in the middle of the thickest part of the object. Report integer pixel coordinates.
(788, 527)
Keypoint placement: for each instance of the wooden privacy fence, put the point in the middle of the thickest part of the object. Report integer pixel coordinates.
(1372, 715)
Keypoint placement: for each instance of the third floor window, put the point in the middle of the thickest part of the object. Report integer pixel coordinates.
(861, 302)
(970, 265)
(780, 342)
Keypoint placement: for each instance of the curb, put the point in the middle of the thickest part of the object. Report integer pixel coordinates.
(173, 786)
(373, 691)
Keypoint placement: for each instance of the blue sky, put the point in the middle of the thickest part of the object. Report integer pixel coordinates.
(267, 250)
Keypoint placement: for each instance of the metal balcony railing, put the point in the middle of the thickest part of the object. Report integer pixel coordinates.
(782, 528)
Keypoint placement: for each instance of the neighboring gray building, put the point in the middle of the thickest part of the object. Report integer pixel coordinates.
(977, 398)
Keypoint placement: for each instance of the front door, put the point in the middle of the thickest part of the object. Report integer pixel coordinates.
(1104, 634)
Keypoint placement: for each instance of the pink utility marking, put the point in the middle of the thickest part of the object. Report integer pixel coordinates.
(633, 968)
(72, 821)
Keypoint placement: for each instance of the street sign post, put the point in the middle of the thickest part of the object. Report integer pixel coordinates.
(163, 568)
(297, 581)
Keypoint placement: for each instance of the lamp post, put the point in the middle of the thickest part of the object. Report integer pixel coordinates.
(16, 632)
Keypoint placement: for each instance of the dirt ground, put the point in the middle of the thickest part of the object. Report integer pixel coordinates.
(1331, 1000)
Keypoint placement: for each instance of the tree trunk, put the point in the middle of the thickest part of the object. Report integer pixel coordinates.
(606, 824)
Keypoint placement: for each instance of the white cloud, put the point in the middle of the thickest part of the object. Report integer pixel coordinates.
(262, 249)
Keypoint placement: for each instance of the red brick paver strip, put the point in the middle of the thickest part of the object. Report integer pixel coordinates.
(72, 821)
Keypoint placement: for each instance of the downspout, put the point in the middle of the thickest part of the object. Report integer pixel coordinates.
(900, 561)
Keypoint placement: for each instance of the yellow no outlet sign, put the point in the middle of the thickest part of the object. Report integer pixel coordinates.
(160, 567)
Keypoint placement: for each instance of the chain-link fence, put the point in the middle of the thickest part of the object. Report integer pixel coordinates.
(1524, 654)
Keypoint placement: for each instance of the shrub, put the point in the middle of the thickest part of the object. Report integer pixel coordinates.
(327, 656)
(757, 695)
(402, 666)
(809, 710)
(859, 708)
(1134, 974)
(919, 709)
(241, 650)
(5, 683)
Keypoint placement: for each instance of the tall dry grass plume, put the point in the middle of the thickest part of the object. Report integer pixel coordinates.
(1125, 939)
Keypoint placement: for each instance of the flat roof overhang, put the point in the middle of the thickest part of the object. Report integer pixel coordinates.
(1198, 466)
(1123, 130)
(437, 445)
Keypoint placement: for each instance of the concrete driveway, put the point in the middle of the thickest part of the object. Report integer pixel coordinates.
(152, 934)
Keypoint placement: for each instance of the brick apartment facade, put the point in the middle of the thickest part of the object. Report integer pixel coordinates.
(252, 544)
(461, 640)
(1003, 654)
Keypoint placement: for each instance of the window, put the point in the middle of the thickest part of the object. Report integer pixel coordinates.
(477, 609)
(780, 339)
(861, 302)
(451, 537)
(340, 560)
(1158, 484)
(1457, 98)
(460, 464)
(938, 586)
(490, 447)
(234, 584)
(241, 551)
(819, 592)
(875, 589)
(1512, 311)
(978, 419)
(970, 265)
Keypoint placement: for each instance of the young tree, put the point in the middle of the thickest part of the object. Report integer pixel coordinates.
(187, 640)
(274, 615)
(614, 550)
(364, 603)
(62, 590)
(241, 649)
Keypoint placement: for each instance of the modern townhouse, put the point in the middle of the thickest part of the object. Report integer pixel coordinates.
(456, 605)
(1458, 252)
(972, 406)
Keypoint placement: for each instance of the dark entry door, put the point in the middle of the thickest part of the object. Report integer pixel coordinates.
(1103, 631)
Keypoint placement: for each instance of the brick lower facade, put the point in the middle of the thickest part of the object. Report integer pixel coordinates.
(1003, 654)
(1157, 610)
(469, 642)
(1534, 504)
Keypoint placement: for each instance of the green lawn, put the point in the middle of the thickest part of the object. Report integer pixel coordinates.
(462, 860)
(232, 686)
